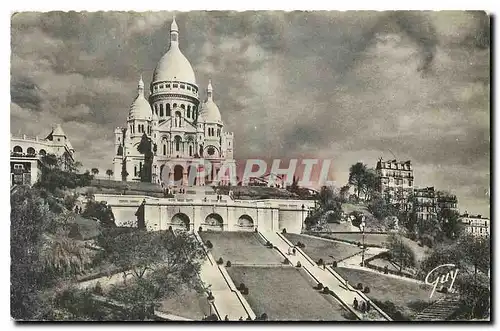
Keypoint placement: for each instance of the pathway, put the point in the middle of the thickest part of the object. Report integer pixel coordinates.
(327, 276)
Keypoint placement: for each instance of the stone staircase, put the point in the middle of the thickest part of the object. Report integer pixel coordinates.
(440, 310)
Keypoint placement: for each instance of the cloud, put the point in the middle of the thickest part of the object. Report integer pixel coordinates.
(351, 86)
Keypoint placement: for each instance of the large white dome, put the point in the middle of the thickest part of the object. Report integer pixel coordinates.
(210, 112)
(173, 66)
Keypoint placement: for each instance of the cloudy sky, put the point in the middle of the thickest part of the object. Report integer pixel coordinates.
(347, 86)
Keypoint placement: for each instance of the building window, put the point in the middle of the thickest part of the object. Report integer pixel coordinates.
(183, 86)
(175, 105)
(177, 144)
(190, 150)
(42, 152)
(189, 88)
(164, 149)
(189, 112)
(176, 85)
(183, 106)
(161, 86)
(161, 110)
(18, 149)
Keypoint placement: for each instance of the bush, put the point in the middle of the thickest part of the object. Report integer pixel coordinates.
(212, 317)
(358, 244)
(443, 289)
(263, 317)
(386, 270)
(220, 260)
(366, 290)
(283, 231)
(228, 264)
(299, 265)
(300, 245)
(269, 244)
(209, 244)
(334, 264)
(98, 288)
(326, 290)
(319, 286)
(286, 261)
(320, 262)
(170, 228)
(244, 291)
(359, 286)
(241, 287)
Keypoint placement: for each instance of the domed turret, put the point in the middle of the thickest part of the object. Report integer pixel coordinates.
(174, 66)
(140, 108)
(210, 111)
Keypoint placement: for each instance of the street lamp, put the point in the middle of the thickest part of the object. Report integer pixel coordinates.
(302, 226)
(211, 301)
(362, 228)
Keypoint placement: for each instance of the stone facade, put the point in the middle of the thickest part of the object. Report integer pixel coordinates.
(476, 225)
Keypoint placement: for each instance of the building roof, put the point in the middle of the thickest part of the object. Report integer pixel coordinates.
(174, 66)
(210, 111)
(140, 108)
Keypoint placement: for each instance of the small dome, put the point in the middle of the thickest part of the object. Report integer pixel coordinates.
(140, 108)
(210, 112)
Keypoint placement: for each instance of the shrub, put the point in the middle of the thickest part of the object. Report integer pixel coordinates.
(386, 269)
(320, 262)
(263, 317)
(326, 290)
(209, 244)
(284, 230)
(244, 291)
(220, 260)
(298, 265)
(286, 261)
(300, 245)
(319, 286)
(358, 244)
(200, 229)
(269, 244)
(359, 286)
(334, 264)
(443, 289)
(228, 264)
(98, 288)
(170, 228)
(366, 290)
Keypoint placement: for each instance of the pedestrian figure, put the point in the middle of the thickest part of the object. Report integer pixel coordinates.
(355, 303)
(323, 266)
(240, 319)
(293, 251)
(368, 306)
(363, 307)
(226, 318)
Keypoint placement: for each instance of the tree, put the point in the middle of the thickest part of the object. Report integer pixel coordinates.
(380, 208)
(476, 251)
(109, 172)
(146, 148)
(50, 160)
(370, 184)
(357, 174)
(95, 171)
(100, 211)
(449, 220)
(356, 218)
(344, 193)
(400, 252)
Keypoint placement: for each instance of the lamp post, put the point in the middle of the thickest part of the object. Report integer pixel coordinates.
(362, 228)
(211, 301)
(302, 225)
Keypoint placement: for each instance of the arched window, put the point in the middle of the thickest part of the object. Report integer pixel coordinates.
(189, 113)
(156, 109)
(31, 151)
(183, 106)
(175, 105)
(190, 150)
(164, 149)
(18, 149)
(177, 143)
(161, 110)
(168, 110)
(135, 171)
(42, 152)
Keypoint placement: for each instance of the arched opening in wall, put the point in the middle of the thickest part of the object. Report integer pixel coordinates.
(168, 110)
(42, 152)
(178, 169)
(245, 223)
(180, 221)
(178, 141)
(213, 222)
(18, 149)
(30, 151)
(183, 106)
(119, 152)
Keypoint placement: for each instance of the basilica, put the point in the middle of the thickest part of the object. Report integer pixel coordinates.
(184, 133)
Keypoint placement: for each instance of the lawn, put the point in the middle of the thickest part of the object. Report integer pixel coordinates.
(286, 293)
(318, 248)
(241, 248)
(408, 296)
(186, 303)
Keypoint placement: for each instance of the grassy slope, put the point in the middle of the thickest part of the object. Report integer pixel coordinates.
(241, 247)
(285, 293)
(322, 249)
(410, 297)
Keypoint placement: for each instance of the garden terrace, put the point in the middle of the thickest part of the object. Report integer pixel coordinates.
(408, 296)
(127, 188)
(318, 248)
(241, 248)
(256, 192)
(286, 293)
